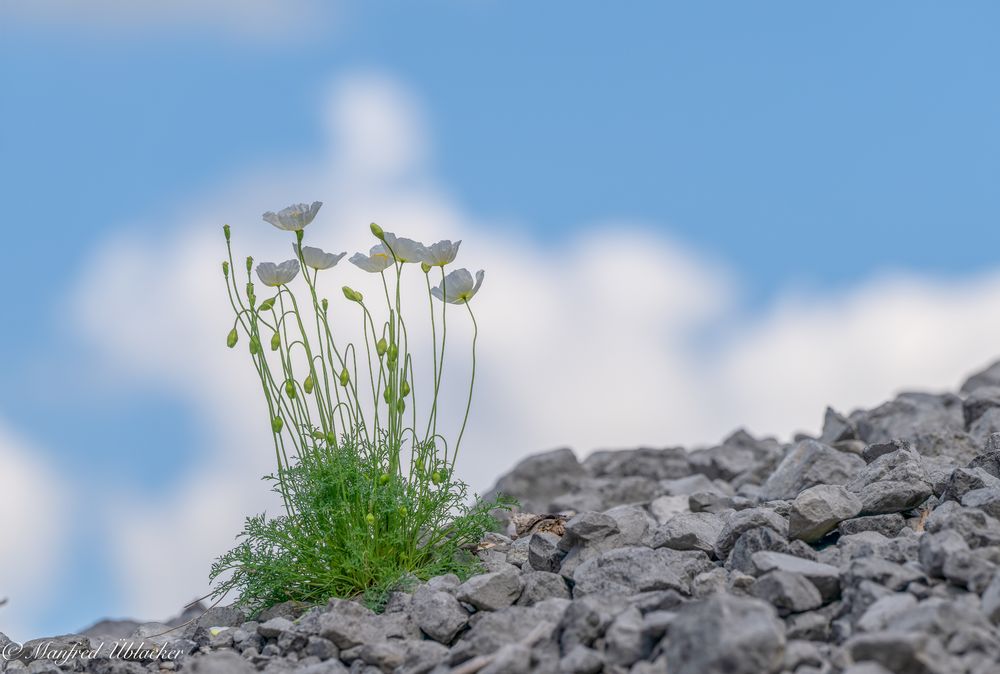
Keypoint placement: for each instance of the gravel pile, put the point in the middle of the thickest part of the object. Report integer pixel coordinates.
(873, 548)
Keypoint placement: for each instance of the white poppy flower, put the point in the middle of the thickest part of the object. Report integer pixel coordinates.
(441, 253)
(317, 258)
(273, 275)
(378, 260)
(405, 250)
(295, 217)
(458, 286)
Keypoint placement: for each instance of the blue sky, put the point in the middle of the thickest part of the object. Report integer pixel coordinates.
(804, 149)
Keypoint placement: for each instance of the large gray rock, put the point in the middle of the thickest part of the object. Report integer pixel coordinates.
(658, 464)
(543, 551)
(825, 577)
(788, 592)
(965, 479)
(511, 625)
(909, 415)
(626, 571)
(989, 376)
(490, 591)
(986, 499)
(438, 614)
(807, 464)
(725, 635)
(893, 482)
(889, 525)
(909, 653)
(542, 585)
(936, 547)
(536, 480)
(976, 527)
(818, 510)
(738, 523)
(689, 531)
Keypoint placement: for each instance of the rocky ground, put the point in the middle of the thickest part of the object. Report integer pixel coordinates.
(873, 548)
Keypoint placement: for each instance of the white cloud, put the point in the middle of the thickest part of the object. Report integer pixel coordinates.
(591, 343)
(33, 503)
(257, 19)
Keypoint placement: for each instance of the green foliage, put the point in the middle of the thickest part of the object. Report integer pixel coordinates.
(352, 532)
(370, 500)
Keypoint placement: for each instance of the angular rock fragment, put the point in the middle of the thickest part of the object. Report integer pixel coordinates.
(818, 510)
(787, 591)
(807, 464)
(725, 635)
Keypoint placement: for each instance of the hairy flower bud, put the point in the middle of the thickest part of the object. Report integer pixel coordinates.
(386, 395)
(275, 341)
(331, 438)
(326, 304)
(232, 338)
(370, 519)
(426, 268)
(277, 424)
(403, 512)
(225, 268)
(384, 478)
(225, 230)
(352, 295)
(267, 304)
(345, 377)
(381, 346)
(308, 384)
(377, 231)
(254, 346)
(436, 477)
(249, 264)
(401, 405)
(404, 388)
(290, 388)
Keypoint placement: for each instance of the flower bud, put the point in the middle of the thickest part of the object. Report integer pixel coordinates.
(426, 268)
(277, 424)
(393, 352)
(275, 341)
(225, 230)
(352, 295)
(232, 338)
(370, 519)
(225, 268)
(381, 346)
(326, 304)
(403, 512)
(384, 478)
(401, 405)
(377, 231)
(436, 477)
(249, 264)
(331, 438)
(267, 304)
(345, 377)
(249, 288)
(404, 388)
(308, 384)
(254, 346)
(290, 388)
(386, 395)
